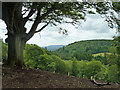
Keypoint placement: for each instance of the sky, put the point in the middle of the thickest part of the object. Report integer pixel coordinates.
(94, 27)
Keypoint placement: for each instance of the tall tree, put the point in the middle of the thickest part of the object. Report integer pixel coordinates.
(38, 12)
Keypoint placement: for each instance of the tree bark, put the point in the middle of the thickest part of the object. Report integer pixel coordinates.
(12, 16)
(15, 51)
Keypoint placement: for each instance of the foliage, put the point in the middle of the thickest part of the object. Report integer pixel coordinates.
(93, 68)
(82, 56)
(113, 73)
(74, 67)
(112, 59)
(82, 67)
(46, 62)
(83, 50)
(69, 66)
(103, 57)
(32, 53)
(36, 57)
(103, 74)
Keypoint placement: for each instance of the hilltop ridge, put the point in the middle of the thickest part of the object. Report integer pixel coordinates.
(85, 47)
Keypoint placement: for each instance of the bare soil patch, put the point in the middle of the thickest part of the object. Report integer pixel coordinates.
(35, 78)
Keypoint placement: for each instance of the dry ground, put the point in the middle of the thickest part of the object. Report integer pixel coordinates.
(34, 78)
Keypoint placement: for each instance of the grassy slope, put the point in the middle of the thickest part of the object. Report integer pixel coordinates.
(100, 54)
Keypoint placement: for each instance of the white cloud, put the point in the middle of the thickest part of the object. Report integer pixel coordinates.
(3, 30)
(93, 28)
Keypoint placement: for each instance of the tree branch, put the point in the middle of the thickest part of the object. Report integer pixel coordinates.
(25, 11)
(41, 28)
(38, 20)
(100, 84)
(34, 26)
(32, 11)
(49, 11)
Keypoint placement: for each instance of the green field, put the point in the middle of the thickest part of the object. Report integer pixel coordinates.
(100, 54)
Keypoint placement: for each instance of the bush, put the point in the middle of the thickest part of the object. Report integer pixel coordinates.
(46, 62)
(31, 54)
(75, 70)
(103, 74)
(113, 73)
(82, 67)
(93, 67)
(68, 64)
(4, 52)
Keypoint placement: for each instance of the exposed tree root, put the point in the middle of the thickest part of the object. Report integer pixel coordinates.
(100, 84)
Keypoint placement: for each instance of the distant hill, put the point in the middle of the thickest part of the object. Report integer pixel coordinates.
(53, 47)
(83, 47)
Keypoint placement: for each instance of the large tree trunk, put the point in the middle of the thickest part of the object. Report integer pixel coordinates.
(17, 36)
(15, 50)
(12, 15)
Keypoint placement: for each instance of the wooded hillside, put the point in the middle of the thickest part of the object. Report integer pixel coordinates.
(87, 48)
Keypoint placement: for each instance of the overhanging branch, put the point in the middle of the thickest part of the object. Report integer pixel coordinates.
(41, 28)
(38, 20)
(49, 11)
(32, 11)
(34, 26)
(25, 11)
